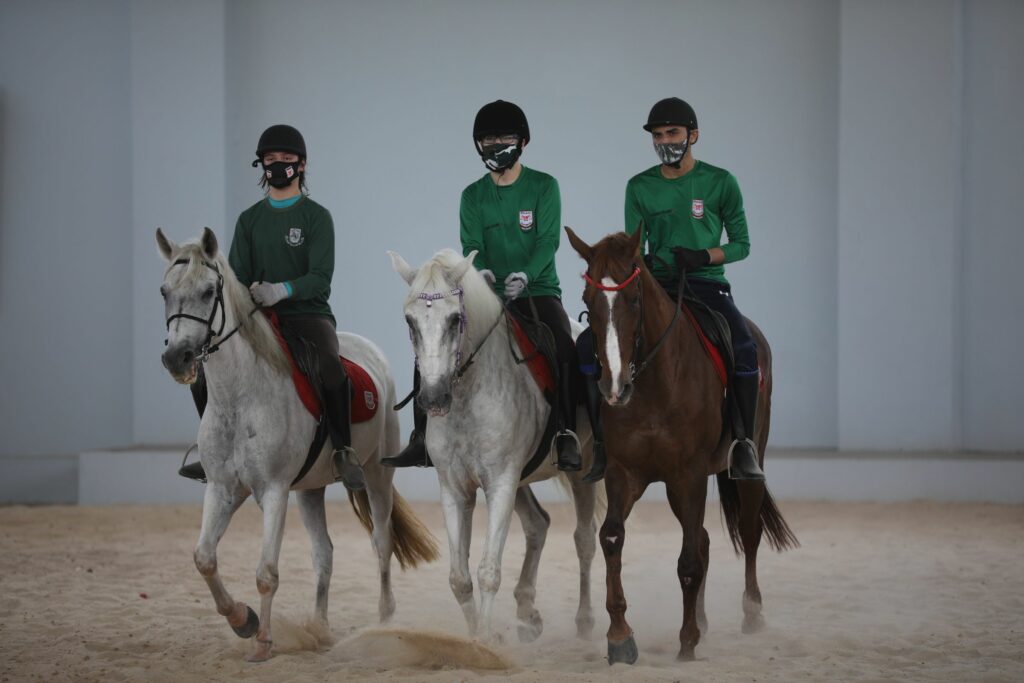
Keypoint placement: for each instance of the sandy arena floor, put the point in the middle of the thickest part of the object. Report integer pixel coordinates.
(878, 592)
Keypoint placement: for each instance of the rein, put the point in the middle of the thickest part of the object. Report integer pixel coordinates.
(209, 346)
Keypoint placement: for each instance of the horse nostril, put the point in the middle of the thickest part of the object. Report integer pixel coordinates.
(187, 357)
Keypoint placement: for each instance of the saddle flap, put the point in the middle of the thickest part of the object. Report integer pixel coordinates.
(714, 334)
(540, 360)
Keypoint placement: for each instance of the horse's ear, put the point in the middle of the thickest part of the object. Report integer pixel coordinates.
(581, 247)
(167, 247)
(209, 243)
(636, 240)
(407, 272)
(463, 267)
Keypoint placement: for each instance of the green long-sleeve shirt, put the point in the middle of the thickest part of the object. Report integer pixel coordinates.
(293, 245)
(515, 228)
(690, 212)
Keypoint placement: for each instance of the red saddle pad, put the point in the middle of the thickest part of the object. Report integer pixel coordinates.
(538, 365)
(364, 392)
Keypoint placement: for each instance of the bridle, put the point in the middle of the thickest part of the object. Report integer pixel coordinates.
(638, 337)
(209, 346)
(461, 368)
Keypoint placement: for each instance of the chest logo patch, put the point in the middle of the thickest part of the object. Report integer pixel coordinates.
(526, 220)
(698, 208)
(294, 237)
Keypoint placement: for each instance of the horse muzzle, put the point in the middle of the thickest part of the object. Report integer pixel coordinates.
(182, 363)
(616, 399)
(435, 399)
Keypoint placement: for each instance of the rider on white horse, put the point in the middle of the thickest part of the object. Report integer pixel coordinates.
(289, 239)
(511, 217)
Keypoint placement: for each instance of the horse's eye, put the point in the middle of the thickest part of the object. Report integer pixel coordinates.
(207, 294)
(453, 322)
(634, 303)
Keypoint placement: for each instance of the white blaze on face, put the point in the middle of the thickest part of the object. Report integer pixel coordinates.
(611, 342)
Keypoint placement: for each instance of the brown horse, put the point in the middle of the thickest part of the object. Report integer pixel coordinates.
(664, 422)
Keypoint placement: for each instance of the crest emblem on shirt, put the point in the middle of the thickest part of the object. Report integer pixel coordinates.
(526, 220)
(698, 208)
(294, 237)
(368, 400)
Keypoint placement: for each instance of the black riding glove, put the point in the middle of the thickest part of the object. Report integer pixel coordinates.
(691, 259)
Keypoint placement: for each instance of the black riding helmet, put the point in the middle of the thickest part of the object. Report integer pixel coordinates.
(501, 118)
(671, 111)
(280, 138)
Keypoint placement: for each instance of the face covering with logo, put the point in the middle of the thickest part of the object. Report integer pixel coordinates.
(281, 173)
(671, 153)
(500, 156)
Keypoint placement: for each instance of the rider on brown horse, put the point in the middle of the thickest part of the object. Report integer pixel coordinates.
(682, 205)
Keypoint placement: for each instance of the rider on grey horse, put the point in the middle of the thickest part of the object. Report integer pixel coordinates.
(288, 238)
(511, 217)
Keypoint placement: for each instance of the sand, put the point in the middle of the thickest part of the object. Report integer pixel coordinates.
(914, 591)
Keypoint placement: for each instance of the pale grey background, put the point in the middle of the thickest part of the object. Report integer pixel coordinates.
(876, 143)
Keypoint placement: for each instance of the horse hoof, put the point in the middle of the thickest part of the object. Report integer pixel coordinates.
(624, 652)
(261, 654)
(250, 627)
(530, 630)
(686, 655)
(752, 623)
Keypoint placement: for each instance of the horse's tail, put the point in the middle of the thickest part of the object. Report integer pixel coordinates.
(412, 540)
(780, 536)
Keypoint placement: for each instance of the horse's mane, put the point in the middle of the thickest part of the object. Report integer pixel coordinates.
(254, 329)
(482, 305)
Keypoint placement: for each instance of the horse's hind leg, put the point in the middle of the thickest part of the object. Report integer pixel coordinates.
(585, 536)
(219, 504)
(274, 502)
(705, 549)
(687, 499)
(380, 495)
(314, 517)
(535, 527)
(622, 494)
(751, 498)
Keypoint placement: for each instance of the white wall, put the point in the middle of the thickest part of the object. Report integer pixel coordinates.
(875, 143)
(993, 218)
(65, 227)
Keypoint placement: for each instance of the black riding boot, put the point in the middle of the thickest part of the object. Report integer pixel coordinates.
(339, 423)
(415, 454)
(743, 451)
(198, 389)
(594, 400)
(567, 444)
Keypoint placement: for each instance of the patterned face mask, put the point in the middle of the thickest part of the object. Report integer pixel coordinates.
(671, 153)
(500, 156)
(281, 173)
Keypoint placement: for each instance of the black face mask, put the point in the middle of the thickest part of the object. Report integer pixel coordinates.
(280, 174)
(671, 153)
(500, 156)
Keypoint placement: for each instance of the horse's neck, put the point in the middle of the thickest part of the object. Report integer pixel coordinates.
(682, 340)
(493, 360)
(235, 369)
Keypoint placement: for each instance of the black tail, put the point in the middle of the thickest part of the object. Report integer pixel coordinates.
(780, 536)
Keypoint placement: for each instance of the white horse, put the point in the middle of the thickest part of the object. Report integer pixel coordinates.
(255, 434)
(487, 418)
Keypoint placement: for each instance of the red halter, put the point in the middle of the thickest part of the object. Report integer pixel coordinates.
(613, 288)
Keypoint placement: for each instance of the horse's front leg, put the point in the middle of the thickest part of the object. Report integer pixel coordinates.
(622, 495)
(458, 506)
(500, 500)
(219, 504)
(584, 499)
(535, 527)
(274, 502)
(687, 499)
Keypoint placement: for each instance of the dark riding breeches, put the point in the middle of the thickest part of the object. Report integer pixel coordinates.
(320, 330)
(718, 297)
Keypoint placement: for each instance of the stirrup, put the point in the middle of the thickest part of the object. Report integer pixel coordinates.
(579, 449)
(194, 471)
(758, 476)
